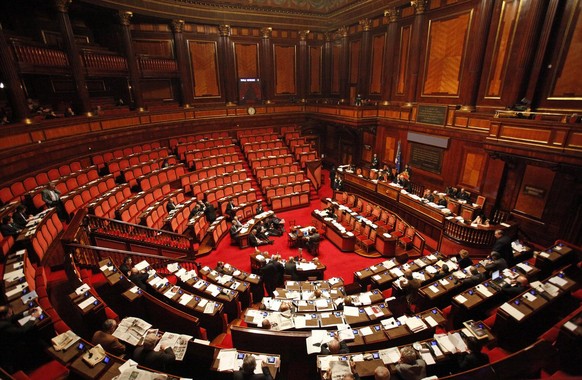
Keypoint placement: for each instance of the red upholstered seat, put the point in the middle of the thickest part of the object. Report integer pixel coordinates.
(51, 370)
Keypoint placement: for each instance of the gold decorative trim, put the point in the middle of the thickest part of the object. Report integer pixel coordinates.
(125, 17)
(177, 26)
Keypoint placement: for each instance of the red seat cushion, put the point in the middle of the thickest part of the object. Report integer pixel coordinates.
(50, 370)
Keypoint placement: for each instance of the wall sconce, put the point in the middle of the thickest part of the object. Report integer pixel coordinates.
(1, 84)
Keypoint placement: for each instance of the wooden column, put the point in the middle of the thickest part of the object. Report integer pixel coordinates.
(267, 74)
(363, 87)
(134, 73)
(326, 66)
(390, 53)
(470, 81)
(228, 67)
(303, 72)
(416, 48)
(13, 85)
(344, 65)
(184, 76)
(77, 69)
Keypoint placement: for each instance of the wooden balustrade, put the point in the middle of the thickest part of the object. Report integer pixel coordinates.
(40, 56)
(469, 235)
(104, 62)
(157, 64)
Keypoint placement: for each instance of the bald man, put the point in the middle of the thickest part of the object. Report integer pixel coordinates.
(381, 373)
(334, 347)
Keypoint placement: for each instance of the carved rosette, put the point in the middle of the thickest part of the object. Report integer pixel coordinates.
(125, 17)
(266, 32)
(177, 26)
(224, 30)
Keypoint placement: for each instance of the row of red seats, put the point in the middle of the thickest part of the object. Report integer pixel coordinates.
(213, 195)
(177, 220)
(288, 188)
(248, 147)
(199, 226)
(283, 202)
(131, 174)
(256, 131)
(288, 136)
(85, 194)
(187, 179)
(256, 154)
(258, 138)
(205, 162)
(298, 149)
(203, 185)
(102, 158)
(285, 159)
(290, 128)
(134, 206)
(105, 205)
(182, 148)
(208, 152)
(307, 157)
(281, 179)
(174, 142)
(155, 215)
(276, 170)
(116, 166)
(160, 176)
(296, 141)
(46, 233)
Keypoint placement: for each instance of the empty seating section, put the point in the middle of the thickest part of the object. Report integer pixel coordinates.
(258, 138)
(118, 165)
(174, 142)
(188, 179)
(240, 198)
(200, 187)
(286, 188)
(306, 157)
(261, 145)
(261, 153)
(281, 179)
(255, 131)
(200, 163)
(101, 159)
(276, 170)
(133, 207)
(104, 205)
(285, 159)
(132, 173)
(45, 233)
(160, 176)
(183, 148)
(83, 195)
(288, 201)
(213, 195)
(199, 226)
(288, 136)
(192, 158)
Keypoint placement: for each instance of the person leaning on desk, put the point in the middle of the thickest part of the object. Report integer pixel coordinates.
(247, 371)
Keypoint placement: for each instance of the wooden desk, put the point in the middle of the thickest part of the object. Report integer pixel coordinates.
(386, 244)
(343, 240)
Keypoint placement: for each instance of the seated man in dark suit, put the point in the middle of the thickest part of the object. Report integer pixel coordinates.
(230, 210)
(20, 346)
(334, 346)
(20, 217)
(255, 241)
(105, 338)
(247, 371)
(210, 212)
(136, 276)
(7, 228)
(474, 358)
(234, 230)
(496, 262)
(516, 287)
(157, 360)
(474, 279)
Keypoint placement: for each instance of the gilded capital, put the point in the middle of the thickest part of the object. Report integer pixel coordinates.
(419, 5)
(342, 31)
(365, 23)
(224, 30)
(392, 14)
(62, 5)
(125, 17)
(177, 26)
(266, 32)
(303, 34)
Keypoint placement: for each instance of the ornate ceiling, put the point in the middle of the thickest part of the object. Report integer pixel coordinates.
(316, 15)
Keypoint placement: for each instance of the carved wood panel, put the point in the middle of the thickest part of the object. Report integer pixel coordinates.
(446, 46)
(203, 57)
(247, 60)
(502, 46)
(155, 48)
(389, 149)
(405, 35)
(315, 54)
(378, 43)
(157, 89)
(355, 47)
(473, 166)
(535, 188)
(285, 73)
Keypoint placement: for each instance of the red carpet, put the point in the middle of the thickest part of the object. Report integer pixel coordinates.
(339, 264)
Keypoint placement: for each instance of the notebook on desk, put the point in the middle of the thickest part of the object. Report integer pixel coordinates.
(496, 280)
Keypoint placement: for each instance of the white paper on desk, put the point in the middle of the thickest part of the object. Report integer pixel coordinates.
(321, 304)
(483, 290)
(426, 356)
(142, 265)
(377, 277)
(187, 275)
(366, 331)
(460, 298)
(443, 281)
(430, 269)
(418, 276)
(29, 297)
(236, 273)
(135, 289)
(314, 342)
(570, 326)
(202, 302)
(127, 365)
(351, 311)
(525, 267)
(87, 302)
(434, 289)
(551, 289)
(199, 284)
(365, 298)
(420, 263)
(14, 275)
(389, 323)
(390, 355)
(213, 289)
(415, 324)
(530, 297)
(544, 254)
(397, 272)
(17, 289)
(444, 343)
(512, 311)
(431, 321)
(345, 332)
(299, 321)
(209, 308)
(556, 280)
(388, 264)
(458, 341)
(226, 360)
(20, 252)
(172, 291)
(173, 267)
(185, 299)
(323, 362)
(155, 281)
